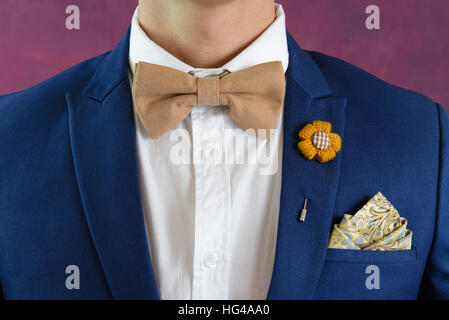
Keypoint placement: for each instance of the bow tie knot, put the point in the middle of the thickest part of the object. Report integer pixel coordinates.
(208, 91)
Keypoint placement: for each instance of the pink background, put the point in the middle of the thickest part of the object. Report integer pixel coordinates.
(411, 49)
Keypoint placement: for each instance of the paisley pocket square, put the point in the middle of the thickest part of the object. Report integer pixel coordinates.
(377, 226)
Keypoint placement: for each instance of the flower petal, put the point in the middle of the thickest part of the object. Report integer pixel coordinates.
(307, 132)
(335, 141)
(307, 149)
(325, 155)
(323, 126)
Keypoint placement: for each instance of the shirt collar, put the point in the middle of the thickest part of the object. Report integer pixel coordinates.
(271, 45)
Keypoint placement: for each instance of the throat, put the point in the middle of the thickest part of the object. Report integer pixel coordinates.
(205, 34)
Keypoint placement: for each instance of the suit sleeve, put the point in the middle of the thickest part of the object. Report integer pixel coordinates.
(436, 279)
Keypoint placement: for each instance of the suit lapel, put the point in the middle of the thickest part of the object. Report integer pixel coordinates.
(104, 153)
(301, 246)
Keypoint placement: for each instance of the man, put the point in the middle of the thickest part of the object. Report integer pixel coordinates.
(95, 205)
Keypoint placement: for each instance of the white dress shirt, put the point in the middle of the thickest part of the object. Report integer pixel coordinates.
(211, 225)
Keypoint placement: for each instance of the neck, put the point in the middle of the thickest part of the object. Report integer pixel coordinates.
(205, 33)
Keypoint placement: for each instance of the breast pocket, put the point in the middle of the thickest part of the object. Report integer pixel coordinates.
(357, 274)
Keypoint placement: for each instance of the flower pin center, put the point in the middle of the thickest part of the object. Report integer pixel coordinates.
(321, 140)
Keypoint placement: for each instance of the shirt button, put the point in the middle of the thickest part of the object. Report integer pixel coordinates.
(211, 259)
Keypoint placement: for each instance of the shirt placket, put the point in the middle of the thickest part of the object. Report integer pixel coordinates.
(212, 196)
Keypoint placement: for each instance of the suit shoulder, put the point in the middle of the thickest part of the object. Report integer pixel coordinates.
(34, 122)
(374, 102)
(48, 96)
(348, 80)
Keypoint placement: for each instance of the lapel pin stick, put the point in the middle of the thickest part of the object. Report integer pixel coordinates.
(302, 218)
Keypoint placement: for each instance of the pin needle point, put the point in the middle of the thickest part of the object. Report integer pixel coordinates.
(303, 212)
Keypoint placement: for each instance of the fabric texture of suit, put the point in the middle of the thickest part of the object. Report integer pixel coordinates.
(69, 190)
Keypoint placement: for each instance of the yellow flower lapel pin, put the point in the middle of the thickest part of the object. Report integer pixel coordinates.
(318, 142)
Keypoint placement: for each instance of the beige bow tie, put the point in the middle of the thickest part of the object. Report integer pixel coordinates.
(164, 96)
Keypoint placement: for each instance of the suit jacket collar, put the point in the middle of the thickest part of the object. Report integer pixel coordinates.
(305, 72)
(113, 69)
(104, 153)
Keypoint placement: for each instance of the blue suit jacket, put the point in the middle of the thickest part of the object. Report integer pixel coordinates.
(69, 190)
